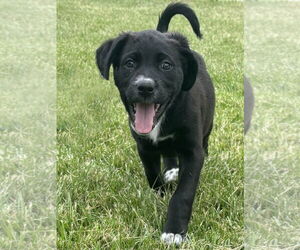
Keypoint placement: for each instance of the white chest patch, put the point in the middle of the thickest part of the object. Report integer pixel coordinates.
(154, 134)
(162, 138)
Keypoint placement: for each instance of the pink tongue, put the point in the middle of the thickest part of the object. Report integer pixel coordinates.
(144, 117)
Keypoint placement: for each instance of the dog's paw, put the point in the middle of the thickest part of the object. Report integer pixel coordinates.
(171, 175)
(170, 238)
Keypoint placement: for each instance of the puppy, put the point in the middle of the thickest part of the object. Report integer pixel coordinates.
(169, 97)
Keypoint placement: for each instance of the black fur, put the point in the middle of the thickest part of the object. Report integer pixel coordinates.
(174, 9)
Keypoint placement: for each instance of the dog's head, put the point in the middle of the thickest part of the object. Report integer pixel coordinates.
(150, 70)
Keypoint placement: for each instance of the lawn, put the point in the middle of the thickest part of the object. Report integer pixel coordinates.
(27, 124)
(272, 173)
(103, 197)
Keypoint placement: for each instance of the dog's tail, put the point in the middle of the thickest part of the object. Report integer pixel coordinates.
(174, 9)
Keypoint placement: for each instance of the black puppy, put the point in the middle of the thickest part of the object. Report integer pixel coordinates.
(170, 101)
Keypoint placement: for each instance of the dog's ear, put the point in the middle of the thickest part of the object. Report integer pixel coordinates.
(108, 52)
(190, 69)
(189, 62)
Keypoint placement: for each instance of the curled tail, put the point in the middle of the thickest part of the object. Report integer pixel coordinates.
(174, 9)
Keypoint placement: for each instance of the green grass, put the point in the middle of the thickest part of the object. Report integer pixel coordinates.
(27, 125)
(103, 198)
(272, 186)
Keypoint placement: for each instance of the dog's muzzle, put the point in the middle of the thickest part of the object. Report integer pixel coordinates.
(145, 109)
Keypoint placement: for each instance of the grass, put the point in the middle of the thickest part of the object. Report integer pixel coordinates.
(272, 197)
(27, 125)
(103, 198)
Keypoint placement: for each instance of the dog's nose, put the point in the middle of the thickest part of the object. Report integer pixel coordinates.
(144, 85)
(146, 88)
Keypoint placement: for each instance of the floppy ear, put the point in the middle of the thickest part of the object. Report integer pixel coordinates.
(189, 62)
(190, 69)
(107, 54)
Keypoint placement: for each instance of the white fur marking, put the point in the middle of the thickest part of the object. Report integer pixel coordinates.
(162, 138)
(171, 175)
(141, 78)
(153, 135)
(170, 238)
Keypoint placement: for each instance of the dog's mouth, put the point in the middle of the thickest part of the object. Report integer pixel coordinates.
(145, 116)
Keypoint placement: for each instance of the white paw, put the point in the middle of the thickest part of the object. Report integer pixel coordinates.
(171, 175)
(170, 238)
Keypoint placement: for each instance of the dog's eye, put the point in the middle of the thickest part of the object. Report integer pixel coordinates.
(166, 66)
(130, 64)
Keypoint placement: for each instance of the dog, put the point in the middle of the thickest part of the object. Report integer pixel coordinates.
(169, 97)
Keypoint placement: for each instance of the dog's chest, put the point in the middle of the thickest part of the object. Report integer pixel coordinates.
(156, 136)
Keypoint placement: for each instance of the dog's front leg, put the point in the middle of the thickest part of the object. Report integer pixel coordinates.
(180, 206)
(151, 162)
